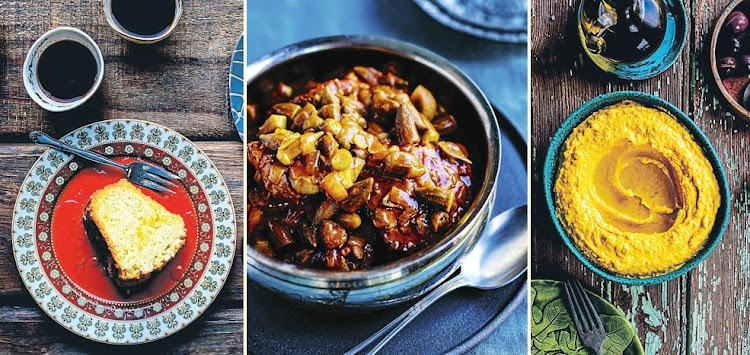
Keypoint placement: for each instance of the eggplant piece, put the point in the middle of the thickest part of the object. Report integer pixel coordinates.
(438, 197)
(453, 150)
(445, 124)
(279, 235)
(439, 220)
(358, 195)
(287, 109)
(308, 235)
(407, 117)
(404, 164)
(327, 210)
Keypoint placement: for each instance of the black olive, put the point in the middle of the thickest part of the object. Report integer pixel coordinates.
(727, 66)
(736, 22)
(744, 63)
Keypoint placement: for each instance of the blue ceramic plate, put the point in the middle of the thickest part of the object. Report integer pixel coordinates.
(501, 21)
(550, 173)
(237, 86)
(662, 58)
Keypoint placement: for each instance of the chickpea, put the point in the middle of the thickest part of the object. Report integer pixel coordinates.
(350, 221)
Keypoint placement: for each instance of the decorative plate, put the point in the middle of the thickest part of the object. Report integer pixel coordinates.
(237, 86)
(502, 21)
(59, 266)
(552, 330)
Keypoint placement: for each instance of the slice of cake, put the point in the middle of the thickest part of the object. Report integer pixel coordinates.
(135, 235)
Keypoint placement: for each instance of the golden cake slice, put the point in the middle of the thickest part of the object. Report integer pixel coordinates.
(135, 235)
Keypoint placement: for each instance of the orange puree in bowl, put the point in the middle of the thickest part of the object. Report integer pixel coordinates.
(635, 191)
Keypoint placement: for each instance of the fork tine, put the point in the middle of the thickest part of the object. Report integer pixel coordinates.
(586, 312)
(159, 180)
(161, 172)
(154, 186)
(592, 334)
(576, 313)
(595, 321)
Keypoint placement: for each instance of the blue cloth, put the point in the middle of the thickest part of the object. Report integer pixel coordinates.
(511, 338)
(500, 70)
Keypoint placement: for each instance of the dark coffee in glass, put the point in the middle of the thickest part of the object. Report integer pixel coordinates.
(149, 18)
(66, 71)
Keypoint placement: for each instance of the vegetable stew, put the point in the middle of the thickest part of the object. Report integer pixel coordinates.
(352, 172)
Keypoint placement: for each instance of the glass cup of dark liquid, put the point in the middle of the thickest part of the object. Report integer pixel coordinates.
(63, 69)
(143, 21)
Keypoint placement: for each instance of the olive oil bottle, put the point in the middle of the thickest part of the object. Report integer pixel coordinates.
(622, 31)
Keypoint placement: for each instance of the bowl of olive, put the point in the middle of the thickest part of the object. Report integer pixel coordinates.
(730, 56)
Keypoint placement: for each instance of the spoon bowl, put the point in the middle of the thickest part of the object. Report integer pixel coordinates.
(498, 257)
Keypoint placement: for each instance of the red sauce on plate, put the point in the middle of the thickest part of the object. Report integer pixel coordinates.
(79, 260)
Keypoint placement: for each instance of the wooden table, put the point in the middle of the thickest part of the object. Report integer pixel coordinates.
(180, 83)
(706, 309)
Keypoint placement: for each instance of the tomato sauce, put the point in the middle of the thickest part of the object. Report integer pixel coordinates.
(76, 254)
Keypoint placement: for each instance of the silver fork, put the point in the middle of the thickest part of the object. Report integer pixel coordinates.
(585, 317)
(139, 173)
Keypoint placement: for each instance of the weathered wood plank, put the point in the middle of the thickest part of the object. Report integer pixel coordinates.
(180, 82)
(26, 330)
(17, 159)
(562, 79)
(720, 286)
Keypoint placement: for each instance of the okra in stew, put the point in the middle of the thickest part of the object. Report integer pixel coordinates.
(352, 172)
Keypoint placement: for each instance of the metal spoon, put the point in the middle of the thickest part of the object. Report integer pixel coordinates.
(498, 257)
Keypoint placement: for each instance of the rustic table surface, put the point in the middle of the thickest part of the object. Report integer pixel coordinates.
(180, 83)
(706, 309)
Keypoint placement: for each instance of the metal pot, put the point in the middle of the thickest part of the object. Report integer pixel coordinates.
(410, 277)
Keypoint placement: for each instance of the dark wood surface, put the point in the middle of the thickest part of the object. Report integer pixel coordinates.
(704, 310)
(180, 83)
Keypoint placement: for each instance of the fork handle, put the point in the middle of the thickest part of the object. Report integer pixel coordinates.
(42, 138)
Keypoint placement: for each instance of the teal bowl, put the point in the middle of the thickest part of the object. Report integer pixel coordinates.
(550, 174)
